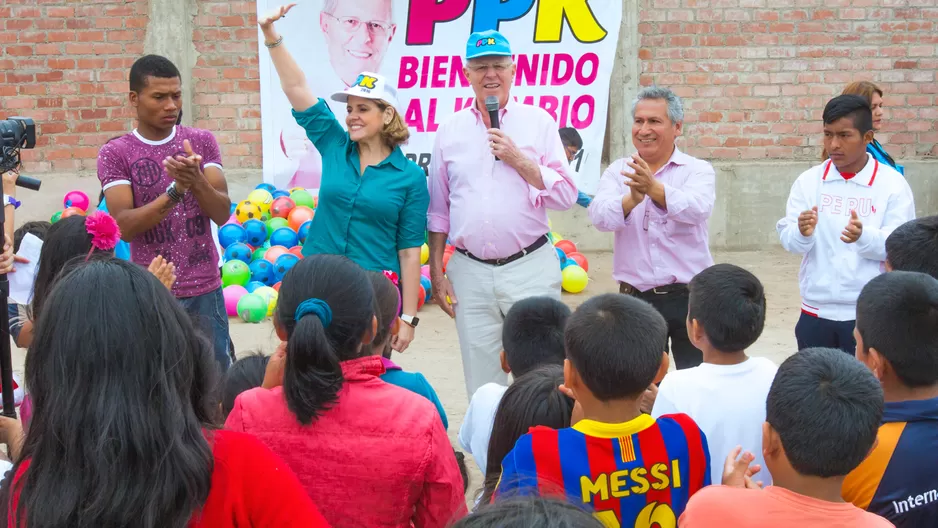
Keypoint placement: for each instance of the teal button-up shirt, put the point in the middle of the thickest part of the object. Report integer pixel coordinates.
(365, 217)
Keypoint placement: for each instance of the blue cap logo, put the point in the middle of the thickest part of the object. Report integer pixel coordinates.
(487, 43)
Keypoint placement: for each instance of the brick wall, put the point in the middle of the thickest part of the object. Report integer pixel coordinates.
(754, 78)
(755, 74)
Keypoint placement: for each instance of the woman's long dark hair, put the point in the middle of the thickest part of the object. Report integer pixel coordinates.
(120, 382)
(533, 399)
(66, 239)
(312, 376)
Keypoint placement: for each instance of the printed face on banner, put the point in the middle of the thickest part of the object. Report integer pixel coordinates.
(357, 35)
(562, 63)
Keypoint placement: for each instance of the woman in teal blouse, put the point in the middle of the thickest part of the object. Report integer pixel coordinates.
(372, 201)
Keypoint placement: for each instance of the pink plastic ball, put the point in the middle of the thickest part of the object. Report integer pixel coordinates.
(232, 295)
(425, 270)
(76, 199)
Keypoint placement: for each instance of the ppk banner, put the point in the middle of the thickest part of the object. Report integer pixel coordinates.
(563, 51)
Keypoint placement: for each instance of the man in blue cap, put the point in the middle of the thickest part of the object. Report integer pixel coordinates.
(490, 189)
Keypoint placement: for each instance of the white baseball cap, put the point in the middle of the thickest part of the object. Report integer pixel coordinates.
(370, 86)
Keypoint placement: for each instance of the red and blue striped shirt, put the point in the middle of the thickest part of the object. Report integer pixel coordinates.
(636, 473)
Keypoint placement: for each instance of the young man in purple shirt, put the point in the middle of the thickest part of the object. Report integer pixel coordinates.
(165, 186)
(658, 202)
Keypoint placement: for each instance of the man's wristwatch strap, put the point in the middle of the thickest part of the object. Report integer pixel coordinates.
(173, 193)
(410, 320)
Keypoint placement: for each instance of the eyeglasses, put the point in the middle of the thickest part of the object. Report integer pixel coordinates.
(500, 67)
(351, 25)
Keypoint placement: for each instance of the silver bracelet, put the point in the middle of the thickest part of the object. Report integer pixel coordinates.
(274, 44)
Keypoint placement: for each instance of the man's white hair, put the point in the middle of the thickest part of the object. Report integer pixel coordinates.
(675, 105)
(329, 6)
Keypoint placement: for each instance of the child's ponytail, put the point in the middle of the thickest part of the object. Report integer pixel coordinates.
(312, 376)
(326, 306)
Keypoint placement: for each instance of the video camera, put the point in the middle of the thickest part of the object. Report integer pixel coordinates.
(17, 133)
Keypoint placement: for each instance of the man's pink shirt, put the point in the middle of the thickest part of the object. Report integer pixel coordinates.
(655, 246)
(484, 205)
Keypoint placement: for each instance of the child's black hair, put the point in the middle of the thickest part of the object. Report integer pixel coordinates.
(387, 307)
(851, 106)
(37, 228)
(530, 512)
(65, 240)
(463, 470)
(897, 314)
(913, 246)
(533, 334)
(826, 407)
(729, 302)
(244, 374)
(312, 375)
(151, 66)
(533, 399)
(616, 343)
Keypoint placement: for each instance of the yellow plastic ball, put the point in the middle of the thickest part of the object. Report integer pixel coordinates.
(270, 296)
(424, 254)
(556, 237)
(574, 279)
(261, 198)
(248, 210)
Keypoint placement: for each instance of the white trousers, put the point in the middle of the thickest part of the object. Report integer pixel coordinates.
(484, 294)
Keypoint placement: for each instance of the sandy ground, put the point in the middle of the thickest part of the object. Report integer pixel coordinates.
(435, 351)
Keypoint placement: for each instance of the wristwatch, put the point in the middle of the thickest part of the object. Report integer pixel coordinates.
(410, 320)
(174, 194)
(9, 200)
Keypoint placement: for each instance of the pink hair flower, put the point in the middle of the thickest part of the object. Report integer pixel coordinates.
(391, 276)
(105, 234)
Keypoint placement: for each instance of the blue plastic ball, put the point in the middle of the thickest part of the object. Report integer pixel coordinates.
(303, 231)
(234, 205)
(427, 287)
(229, 234)
(238, 251)
(263, 272)
(253, 285)
(280, 192)
(560, 254)
(283, 264)
(267, 187)
(256, 232)
(568, 262)
(284, 236)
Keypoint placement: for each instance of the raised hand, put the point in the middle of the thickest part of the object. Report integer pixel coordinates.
(267, 20)
(737, 472)
(163, 270)
(853, 230)
(807, 221)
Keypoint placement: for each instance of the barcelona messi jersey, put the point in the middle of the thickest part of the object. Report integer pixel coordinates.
(635, 474)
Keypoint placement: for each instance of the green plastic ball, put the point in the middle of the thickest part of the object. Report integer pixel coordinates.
(301, 197)
(252, 308)
(56, 217)
(235, 272)
(276, 223)
(258, 254)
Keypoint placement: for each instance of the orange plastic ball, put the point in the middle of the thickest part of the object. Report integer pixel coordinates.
(298, 216)
(72, 211)
(297, 250)
(422, 298)
(580, 259)
(274, 253)
(276, 287)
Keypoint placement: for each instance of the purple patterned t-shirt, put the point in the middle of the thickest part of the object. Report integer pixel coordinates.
(184, 237)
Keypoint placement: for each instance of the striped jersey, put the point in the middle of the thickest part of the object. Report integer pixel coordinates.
(899, 480)
(636, 473)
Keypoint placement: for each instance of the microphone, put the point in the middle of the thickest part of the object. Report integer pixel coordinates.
(491, 104)
(28, 183)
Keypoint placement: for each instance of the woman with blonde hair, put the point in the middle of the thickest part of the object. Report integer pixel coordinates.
(874, 95)
(372, 201)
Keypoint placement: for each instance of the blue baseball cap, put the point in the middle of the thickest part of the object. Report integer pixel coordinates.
(487, 43)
